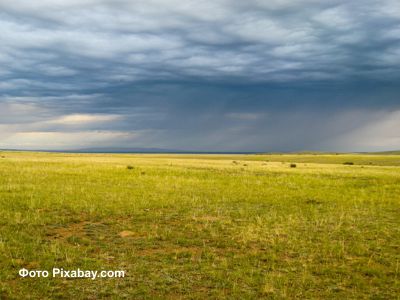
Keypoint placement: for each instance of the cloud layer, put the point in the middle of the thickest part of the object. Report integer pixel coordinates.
(200, 75)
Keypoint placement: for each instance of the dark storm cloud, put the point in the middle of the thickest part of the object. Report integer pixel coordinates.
(202, 75)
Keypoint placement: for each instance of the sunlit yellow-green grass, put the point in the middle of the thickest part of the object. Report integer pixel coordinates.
(201, 226)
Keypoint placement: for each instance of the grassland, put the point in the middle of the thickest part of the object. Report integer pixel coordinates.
(201, 226)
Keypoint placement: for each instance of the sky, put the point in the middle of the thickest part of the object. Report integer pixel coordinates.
(211, 75)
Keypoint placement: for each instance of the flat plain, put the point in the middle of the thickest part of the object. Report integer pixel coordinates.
(306, 226)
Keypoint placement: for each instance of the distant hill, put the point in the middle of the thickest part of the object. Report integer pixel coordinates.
(125, 150)
(162, 150)
(104, 150)
(150, 150)
(395, 152)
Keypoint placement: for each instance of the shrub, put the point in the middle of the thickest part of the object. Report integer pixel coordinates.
(348, 163)
(130, 167)
(313, 201)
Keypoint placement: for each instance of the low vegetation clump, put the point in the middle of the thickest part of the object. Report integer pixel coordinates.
(200, 226)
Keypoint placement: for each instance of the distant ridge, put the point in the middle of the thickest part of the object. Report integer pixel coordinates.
(130, 150)
(125, 150)
(152, 150)
(139, 150)
(395, 152)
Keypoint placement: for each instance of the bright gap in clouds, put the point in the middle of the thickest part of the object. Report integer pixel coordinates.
(77, 119)
(64, 140)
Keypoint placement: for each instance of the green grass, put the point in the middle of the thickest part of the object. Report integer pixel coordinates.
(201, 226)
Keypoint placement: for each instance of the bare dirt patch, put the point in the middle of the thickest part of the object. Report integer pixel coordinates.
(126, 233)
(80, 229)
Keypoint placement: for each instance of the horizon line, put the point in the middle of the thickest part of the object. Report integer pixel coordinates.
(167, 151)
